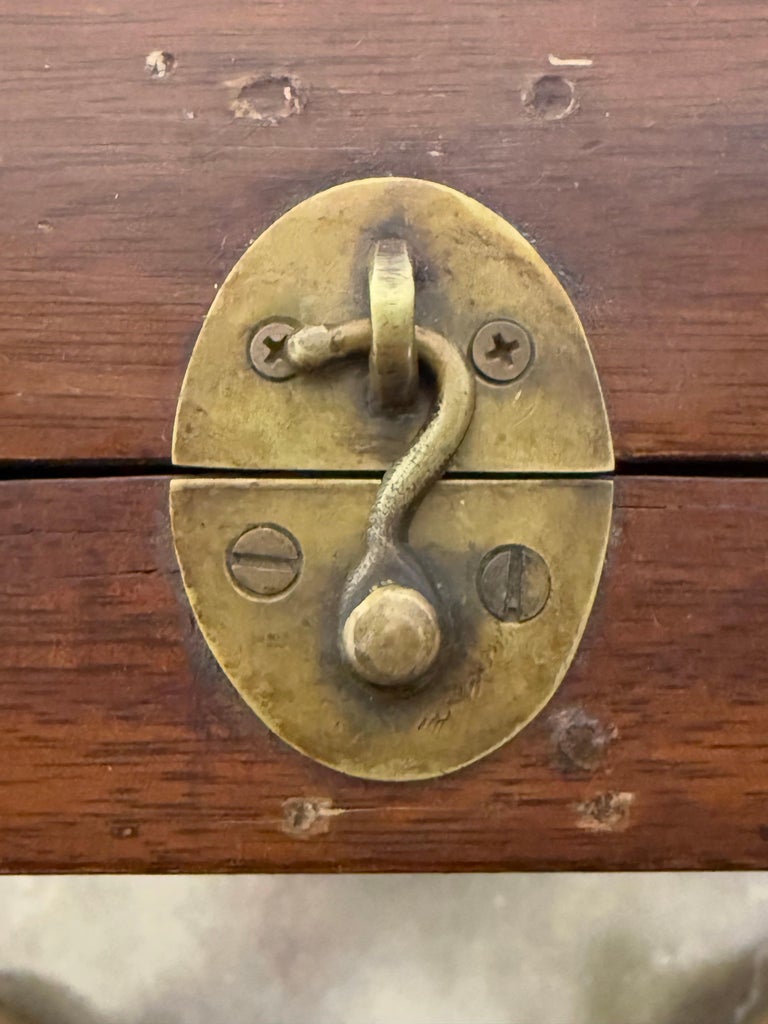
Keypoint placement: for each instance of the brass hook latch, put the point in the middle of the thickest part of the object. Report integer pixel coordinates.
(389, 620)
(386, 617)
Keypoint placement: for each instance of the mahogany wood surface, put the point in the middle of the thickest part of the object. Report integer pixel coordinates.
(125, 748)
(128, 195)
(142, 146)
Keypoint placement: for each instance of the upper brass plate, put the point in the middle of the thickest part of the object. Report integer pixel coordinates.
(311, 267)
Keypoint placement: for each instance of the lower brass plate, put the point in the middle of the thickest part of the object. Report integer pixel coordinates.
(492, 676)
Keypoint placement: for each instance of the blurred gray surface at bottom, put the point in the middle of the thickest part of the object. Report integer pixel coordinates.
(428, 949)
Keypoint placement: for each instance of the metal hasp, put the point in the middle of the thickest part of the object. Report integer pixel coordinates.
(389, 624)
(400, 630)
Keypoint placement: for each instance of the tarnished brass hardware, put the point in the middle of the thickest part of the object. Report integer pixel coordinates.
(411, 627)
(388, 560)
(513, 583)
(311, 267)
(265, 560)
(392, 637)
(393, 364)
(490, 678)
(266, 351)
(502, 351)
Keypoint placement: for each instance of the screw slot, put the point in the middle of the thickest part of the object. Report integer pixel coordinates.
(502, 351)
(265, 560)
(513, 582)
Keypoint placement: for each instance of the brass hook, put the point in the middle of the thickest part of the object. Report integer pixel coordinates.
(390, 624)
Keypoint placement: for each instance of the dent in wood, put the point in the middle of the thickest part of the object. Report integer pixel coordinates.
(551, 98)
(267, 99)
(580, 741)
(160, 64)
(607, 812)
(304, 817)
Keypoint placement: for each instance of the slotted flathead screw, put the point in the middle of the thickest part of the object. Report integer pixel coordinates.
(513, 583)
(265, 560)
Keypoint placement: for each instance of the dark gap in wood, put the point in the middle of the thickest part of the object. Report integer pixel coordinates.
(706, 467)
(747, 467)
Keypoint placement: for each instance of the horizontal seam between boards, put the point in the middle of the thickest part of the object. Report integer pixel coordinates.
(702, 467)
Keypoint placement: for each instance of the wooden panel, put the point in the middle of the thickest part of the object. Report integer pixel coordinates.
(124, 747)
(128, 196)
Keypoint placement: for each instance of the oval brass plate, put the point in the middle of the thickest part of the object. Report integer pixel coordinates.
(281, 650)
(492, 677)
(311, 267)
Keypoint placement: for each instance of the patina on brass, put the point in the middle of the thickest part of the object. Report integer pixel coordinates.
(389, 619)
(388, 559)
(410, 646)
(312, 267)
(392, 637)
(393, 364)
(490, 677)
(501, 351)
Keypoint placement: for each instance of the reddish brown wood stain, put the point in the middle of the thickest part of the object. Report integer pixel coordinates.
(142, 146)
(129, 196)
(124, 747)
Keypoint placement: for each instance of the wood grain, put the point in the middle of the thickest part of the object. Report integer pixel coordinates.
(124, 747)
(128, 196)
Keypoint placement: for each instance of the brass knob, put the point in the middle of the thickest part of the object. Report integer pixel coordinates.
(392, 637)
